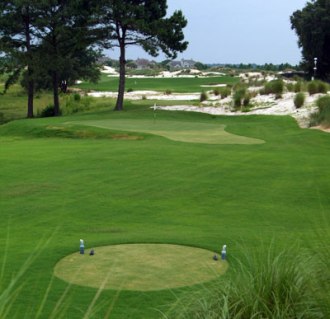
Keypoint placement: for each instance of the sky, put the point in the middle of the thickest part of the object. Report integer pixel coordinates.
(235, 31)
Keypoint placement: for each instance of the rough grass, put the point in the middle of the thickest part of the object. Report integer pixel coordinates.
(140, 267)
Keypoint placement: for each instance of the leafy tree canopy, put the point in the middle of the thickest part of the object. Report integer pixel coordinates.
(312, 25)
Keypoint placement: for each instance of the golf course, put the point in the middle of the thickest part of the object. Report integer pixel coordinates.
(156, 196)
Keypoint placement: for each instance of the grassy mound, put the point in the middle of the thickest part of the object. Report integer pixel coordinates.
(181, 131)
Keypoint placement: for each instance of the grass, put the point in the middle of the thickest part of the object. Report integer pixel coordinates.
(176, 85)
(269, 284)
(79, 181)
(189, 132)
(141, 267)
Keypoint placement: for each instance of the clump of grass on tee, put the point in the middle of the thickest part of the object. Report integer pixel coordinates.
(269, 284)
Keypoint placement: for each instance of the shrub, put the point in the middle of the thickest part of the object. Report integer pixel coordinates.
(273, 285)
(238, 96)
(168, 92)
(298, 86)
(129, 90)
(203, 97)
(312, 87)
(275, 87)
(216, 92)
(317, 86)
(322, 87)
(48, 111)
(299, 100)
(225, 92)
(290, 87)
(322, 116)
(77, 97)
(144, 97)
(246, 100)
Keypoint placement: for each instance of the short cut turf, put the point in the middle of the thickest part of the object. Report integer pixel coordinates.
(140, 267)
(189, 132)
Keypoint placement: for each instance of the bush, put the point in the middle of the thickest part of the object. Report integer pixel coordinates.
(322, 87)
(48, 111)
(238, 96)
(168, 92)
(271, 285)
(298, 87)
(290, 87)
(225, 92)
(76, 97)
(322, 116)
(299, 100)
(216, 92)
(312, 87)
(317, 86)
(275, 87)
(203, 97)
(129, 90)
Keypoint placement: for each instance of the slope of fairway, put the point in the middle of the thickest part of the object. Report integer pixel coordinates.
(140, 267)
(58, 186)
(190, 132)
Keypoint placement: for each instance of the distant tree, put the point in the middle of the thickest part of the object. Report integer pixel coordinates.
(16, 39)
(66, 31)
(142, 23)
(200, 66)
(312, 25)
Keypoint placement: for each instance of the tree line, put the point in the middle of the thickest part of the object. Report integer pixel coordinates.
(52, 43)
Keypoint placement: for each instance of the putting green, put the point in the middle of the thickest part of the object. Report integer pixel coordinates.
(190, 132)
(140, 267)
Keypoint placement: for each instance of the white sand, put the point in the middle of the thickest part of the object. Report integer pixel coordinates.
(150, 95)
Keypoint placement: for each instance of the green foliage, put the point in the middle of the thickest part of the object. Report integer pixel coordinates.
(129, 90)
(240, 93)
(274, 87)
(203, 97)
(317, 86)
(269, 284)
(75, 103)
(48, 111)
(299, 100)
(225, 92)
(312, 26)
(322, 116)
(298, 86)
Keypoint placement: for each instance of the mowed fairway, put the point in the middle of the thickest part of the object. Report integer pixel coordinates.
(55, 190)
(179, 85)
(181, 131)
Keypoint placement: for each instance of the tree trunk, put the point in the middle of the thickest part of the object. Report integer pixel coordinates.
(122, 78)
(55, 94)
(26, 19)
(30, 93)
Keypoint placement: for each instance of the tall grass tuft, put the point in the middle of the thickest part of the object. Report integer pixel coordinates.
(274, 87)
(317, 86)
(271, 284)
(299, 100)
(322, 116)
